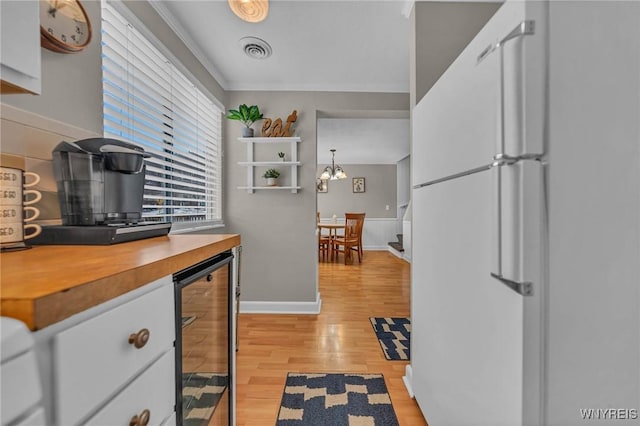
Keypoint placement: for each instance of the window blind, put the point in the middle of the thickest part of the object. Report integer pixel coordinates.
(149, 102)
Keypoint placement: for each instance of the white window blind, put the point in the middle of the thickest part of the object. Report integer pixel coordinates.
(149, 102)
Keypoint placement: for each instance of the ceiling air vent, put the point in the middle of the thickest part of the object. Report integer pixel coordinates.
(255, 48)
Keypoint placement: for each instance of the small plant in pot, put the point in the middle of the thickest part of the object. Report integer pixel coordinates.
(272, 177)
(281, 155)
(247, 115)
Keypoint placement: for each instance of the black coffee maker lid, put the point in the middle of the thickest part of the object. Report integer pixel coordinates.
(98, 145)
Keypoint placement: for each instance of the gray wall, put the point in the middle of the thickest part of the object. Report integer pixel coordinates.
(71, 84)
(380, 191)
(442, 30)
(404, 180)
(278, 227)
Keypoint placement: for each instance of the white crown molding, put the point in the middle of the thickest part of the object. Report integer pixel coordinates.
(317, 87)
(251, 307)
(189, 42)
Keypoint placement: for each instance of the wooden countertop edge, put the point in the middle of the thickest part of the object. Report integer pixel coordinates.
(52, 308)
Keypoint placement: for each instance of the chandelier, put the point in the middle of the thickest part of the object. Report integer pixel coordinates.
(250, 10)
(333, 172)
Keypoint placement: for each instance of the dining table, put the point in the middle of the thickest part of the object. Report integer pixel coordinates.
(333, 233)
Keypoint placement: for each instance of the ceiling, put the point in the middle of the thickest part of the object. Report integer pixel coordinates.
(355, 45)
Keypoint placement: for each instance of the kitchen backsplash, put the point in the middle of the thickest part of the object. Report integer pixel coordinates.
(31, 138)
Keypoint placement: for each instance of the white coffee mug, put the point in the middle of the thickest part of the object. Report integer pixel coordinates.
(15, 213)
(15, 196)
(16, 177)
(15, 232)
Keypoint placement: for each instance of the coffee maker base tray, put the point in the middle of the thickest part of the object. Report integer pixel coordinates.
(98, 235)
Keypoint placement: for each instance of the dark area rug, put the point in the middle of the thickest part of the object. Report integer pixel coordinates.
(200, 395)
(394, 335)
(336, 400)
(187, 320)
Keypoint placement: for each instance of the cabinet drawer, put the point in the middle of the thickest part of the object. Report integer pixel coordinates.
(94, 359)
(154, 390)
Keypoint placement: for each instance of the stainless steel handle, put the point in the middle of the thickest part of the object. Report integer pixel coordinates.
(523, 28)
(455, 175)
(524, 288)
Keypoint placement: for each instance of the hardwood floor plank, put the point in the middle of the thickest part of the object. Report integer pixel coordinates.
(339, 339)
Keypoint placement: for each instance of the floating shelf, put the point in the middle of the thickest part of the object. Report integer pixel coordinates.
(251, 163)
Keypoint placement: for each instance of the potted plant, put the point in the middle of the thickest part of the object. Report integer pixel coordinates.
(247, 115)
(281, 155)
(272, 177)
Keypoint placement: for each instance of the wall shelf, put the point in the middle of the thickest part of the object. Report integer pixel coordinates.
(251, 162)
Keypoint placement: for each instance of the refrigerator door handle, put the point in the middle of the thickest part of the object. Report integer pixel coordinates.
(502, 159)
(524, 288)
(455, 175)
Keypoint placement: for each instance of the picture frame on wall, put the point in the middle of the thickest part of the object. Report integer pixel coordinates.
(321, 185)
(358, 184)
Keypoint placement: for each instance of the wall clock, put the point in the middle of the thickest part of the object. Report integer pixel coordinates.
(64, 26)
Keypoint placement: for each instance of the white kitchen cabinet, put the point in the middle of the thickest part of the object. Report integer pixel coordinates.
(92, 369)
(292, 162)
(20, 388)
(152, 394)
(20, 47)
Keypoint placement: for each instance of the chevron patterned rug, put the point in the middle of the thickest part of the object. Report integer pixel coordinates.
(336, 400)
(201, 393)
(394, 335)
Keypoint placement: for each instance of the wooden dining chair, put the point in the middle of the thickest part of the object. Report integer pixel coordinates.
(324, 242)
(352, 239)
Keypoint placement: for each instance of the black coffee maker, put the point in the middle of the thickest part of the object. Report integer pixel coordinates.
(100, 181)
(100, 189)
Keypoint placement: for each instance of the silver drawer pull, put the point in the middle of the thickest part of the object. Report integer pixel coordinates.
(140, 338)
(142, 419)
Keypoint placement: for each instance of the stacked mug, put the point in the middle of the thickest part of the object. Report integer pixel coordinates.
(16, 208)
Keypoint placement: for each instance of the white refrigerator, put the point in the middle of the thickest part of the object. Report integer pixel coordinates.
(485, 348)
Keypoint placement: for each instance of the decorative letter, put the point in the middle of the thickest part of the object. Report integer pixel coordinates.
(265, 126)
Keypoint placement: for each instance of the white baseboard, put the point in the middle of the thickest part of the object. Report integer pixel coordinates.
(398, 254)
(374, 248)
(394, 252)
(407, 379)
(250, 307)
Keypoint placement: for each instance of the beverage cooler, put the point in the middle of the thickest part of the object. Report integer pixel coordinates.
(204, 296)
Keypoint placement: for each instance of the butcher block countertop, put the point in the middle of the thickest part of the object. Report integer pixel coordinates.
(46, 284)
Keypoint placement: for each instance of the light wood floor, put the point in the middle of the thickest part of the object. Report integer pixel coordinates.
(339, 339)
